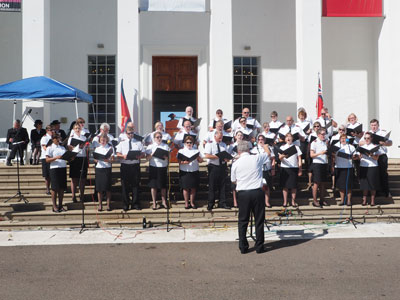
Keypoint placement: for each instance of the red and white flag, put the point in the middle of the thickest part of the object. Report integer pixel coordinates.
(125, 115)
(320, 100)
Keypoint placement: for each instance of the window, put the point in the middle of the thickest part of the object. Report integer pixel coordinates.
(101, 85)
(245, 86)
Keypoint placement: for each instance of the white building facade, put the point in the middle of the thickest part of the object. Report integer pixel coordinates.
(262, 54)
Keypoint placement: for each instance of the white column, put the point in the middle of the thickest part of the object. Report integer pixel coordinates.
(36, 49)
(221, 65)
(128, 59)
(387, 104)
(308, 52)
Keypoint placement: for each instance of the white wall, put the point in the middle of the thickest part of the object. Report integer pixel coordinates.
(389, 74)
(10, 63)
(269, 27)
(349, 59)
(76, 29)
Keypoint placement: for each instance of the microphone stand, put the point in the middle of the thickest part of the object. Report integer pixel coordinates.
(350, 219)
(18, 194)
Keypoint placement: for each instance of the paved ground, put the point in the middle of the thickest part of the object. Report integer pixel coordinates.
(291, 269)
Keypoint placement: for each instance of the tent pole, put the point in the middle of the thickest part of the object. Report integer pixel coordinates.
(95, 116)
(15, 107)
(76, 108)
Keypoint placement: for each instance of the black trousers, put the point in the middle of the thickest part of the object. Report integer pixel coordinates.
(384, 177)
(130, 179)
(17, 149)
(216, 182)
(251, 201)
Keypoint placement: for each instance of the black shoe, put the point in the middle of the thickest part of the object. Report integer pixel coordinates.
(225, 206)
(22, 163)
(209, 208)
(136, 207)
(244, 250)
(260, 250)
(9, 163)
(125, 209)
(48, 192)
(74, 200)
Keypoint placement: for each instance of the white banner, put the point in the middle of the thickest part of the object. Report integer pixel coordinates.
(173, 5)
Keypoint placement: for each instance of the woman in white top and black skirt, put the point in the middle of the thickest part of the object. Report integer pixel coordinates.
(311, 138)
(58, 172)
(290, 170)
(369, 170)
(103, 157)
(344, 171)
(79, 163)
(318, 153)
(189, 175)
(268, 168)
(158, 177)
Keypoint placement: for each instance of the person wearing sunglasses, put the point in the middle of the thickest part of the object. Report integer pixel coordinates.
(219, 115)
(189, 175)
(312, 137)
(130, 170)
(335, 141)
(275, 124)
(158, 169)
(318, 153)
(122, 136)
(327, 122)
(369, 169)
(247, 132)
(251, 123)
(185, 131)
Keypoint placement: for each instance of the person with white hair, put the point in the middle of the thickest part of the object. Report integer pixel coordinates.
(104, 129)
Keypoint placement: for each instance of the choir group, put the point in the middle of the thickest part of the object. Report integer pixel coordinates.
(345, 153)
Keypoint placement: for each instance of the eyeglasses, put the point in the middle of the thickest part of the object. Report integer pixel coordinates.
(317, 126)
(367, 138)
(157, 137)
(242, 121)
(219, 113)
(129, 133)
(246, 112)
(188, 143)
(341, 129)
(273, 116)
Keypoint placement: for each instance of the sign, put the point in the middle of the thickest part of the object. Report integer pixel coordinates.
(173, 5)
(352, 8)
(10, 5)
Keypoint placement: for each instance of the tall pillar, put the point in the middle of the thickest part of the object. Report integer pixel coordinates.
(36, 49)
(128, 59)
(221, 58)
(308, 52)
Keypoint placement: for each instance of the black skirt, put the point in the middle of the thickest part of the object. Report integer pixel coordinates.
(158, 177)
(189, 180)
(75, 167)
(369, 178)
(45, 168)
(344, 178)
(58, 179)
(320, 173)
(288, 178)
(103, 179)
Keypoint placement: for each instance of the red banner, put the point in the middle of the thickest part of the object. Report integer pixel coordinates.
(353, 8)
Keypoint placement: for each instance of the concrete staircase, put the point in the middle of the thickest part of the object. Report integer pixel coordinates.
(37, 213)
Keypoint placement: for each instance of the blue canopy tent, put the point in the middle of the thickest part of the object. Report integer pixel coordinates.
(42, 88)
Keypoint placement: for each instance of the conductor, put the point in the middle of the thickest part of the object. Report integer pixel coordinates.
(247, 172)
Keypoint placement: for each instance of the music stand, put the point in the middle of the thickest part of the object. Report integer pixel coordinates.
(18, 194)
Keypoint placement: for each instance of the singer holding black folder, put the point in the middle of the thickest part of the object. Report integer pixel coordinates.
(217, 171)
(79, 164)
(369, 170)
(189, 176)
(58, 172)
(343, 169)
(290, 157)
(103, 157)
(130, 151)
(158, 156)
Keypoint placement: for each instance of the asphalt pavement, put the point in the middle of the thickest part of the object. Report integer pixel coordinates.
(362, 268)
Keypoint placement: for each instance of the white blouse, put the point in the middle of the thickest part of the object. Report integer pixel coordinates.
(319, 146)
(82, 152)
(342, 162)
(193, 166)
(103, 150)
(293, 161)
(155, 161)
(367, 161)
(55, 150)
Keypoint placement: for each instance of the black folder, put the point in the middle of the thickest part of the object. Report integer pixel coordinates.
(100, 156)
(378, 138)
(224, 155)
(227, 125)
(246, 137)
(160, 153)
(306, 128)
(133, 155)
(196, 123)
(69, 155)
(137, 137)
(357, 130)
(269, 141)
(344, 154)
(296, 136)
(227, 139)
(251, 125)
(214, 124)
(333, 148)
(362, 150)
(288, 152)
(75, 142)
(281, 136)
(274, 130)
(312, 138)
(180, 156)
(49, 142)
(114, 143)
